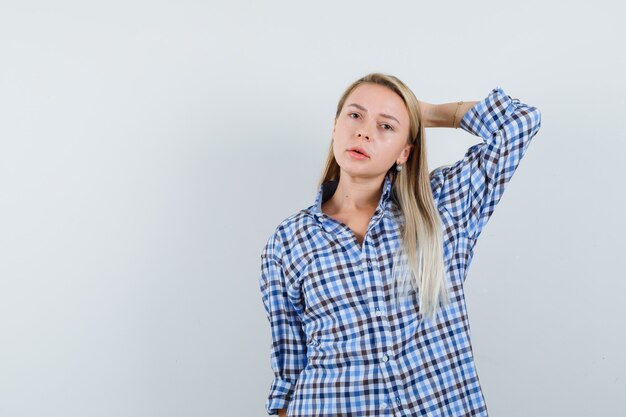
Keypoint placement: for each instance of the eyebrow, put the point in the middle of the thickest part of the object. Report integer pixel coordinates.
(358, 106)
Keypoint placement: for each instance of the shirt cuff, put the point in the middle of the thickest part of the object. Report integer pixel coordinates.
(488, 115)
(280, 395)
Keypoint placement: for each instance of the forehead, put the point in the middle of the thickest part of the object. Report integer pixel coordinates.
(378, 99)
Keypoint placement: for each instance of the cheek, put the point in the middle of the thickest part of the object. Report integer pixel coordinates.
(336, 146)
(343, 128)
(340, 136)
(339, 148)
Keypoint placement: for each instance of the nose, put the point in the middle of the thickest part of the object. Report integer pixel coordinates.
(363, 130)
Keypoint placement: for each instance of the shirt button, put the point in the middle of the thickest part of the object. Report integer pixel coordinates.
(398, 400)
(369, 264)
(385, 405)
(378, 312)
(385, 358)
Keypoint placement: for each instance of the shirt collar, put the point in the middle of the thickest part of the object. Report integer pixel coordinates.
(327, 189)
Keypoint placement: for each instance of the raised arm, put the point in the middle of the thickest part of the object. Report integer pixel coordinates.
(470, 189)
(443, 115)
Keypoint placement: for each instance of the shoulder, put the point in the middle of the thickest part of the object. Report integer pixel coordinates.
(289, 231)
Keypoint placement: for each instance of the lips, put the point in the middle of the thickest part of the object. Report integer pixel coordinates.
(359, 150)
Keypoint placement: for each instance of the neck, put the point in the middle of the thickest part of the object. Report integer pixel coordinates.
(354, 194)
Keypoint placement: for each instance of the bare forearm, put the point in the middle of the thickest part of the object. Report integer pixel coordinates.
(282, 412)
(442, 115)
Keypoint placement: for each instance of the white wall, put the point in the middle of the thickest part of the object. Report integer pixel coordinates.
(149, 148)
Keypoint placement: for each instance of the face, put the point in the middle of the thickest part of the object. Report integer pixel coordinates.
(374, 118)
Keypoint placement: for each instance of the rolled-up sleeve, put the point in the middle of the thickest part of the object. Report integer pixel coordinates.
(288, 346)
(471, 188)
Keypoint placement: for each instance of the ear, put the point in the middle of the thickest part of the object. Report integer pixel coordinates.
(404, 155)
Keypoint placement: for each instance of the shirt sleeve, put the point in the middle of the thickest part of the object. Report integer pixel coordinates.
(288, 348)
(471, 188)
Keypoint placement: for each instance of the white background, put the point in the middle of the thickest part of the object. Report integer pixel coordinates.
(149, 148)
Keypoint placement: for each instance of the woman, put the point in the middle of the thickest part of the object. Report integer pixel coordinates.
(363, 289)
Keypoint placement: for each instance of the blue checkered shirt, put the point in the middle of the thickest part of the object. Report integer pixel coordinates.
(340, 345)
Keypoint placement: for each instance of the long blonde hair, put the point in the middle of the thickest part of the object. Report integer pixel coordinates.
(421, 233)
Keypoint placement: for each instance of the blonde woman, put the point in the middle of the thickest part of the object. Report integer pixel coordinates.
(363, 289)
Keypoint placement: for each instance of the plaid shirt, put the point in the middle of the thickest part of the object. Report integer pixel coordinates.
(340, 345)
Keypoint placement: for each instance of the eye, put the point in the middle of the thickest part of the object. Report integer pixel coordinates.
(350, 115)
(390, 127)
